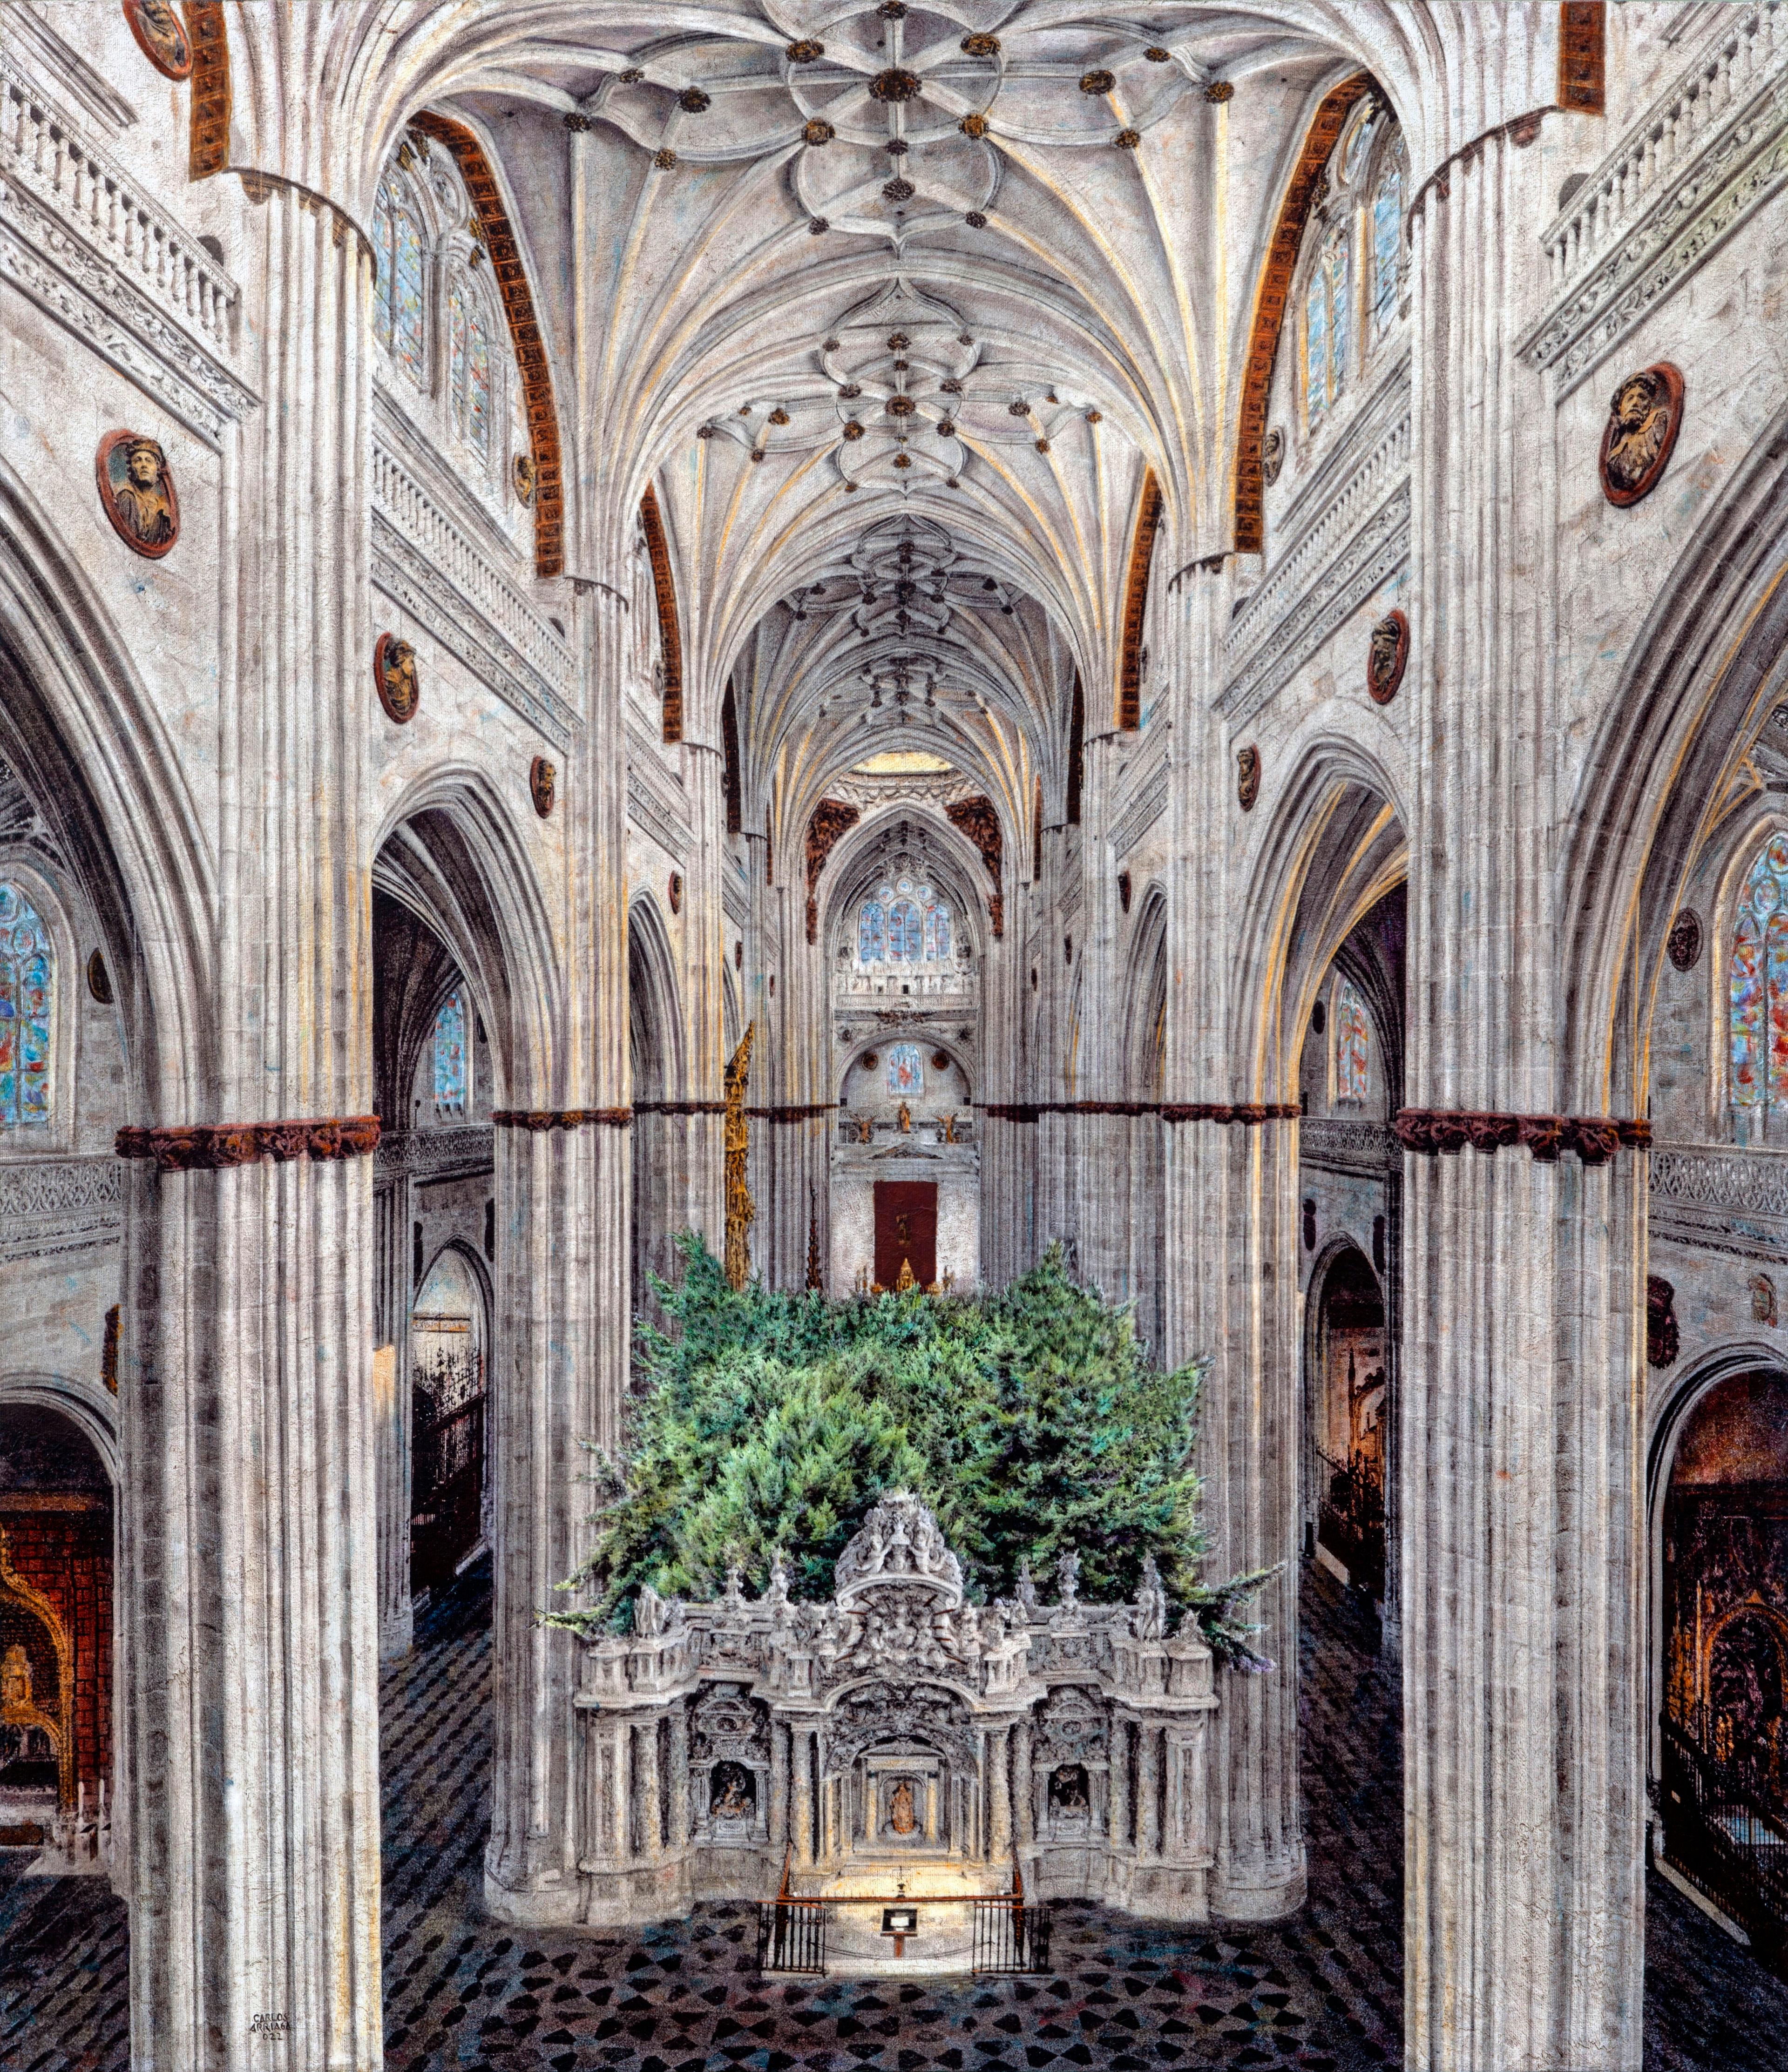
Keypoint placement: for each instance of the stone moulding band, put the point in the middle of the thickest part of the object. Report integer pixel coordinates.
(206, 1147)
(680, 1107)
(538, 1119)
(1595, 1138)
(788, 1114)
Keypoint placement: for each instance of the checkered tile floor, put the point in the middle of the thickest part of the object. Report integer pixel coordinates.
(1322, 1992)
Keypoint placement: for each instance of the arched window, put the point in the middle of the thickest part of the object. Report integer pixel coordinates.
(1328, 325)
(28, 1014)
(906, 1072)
(469, 365)
(1387, 236)
(398, 241)
(905, 932)
(872, 932)
(1757, 994)
(1352, 1044)
(906, 923)
(937, 933)
(451, 1080)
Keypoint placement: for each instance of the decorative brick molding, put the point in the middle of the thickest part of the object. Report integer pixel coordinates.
(538, 1119)
(1271, 301)
(831, 819)
(1583, 37)
(207, 148)
(670, 639)
(1135, 606)
(206, 1147)
(524, 334)
(1595, 1138)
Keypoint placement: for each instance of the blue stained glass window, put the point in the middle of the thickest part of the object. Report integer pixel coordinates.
(872, 932)
(449, 1056)
(1315, 344)
(905, 932)
(406, 295)
(28, 1013)
(385, 231)
(478, 391)
(1338, 265)
(1387, 230)
(906, 1072)
(937, 933)
(1758, 989)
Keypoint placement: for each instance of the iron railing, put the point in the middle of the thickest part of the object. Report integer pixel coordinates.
(1350, 1522)
(791, 1932)
(1727, 1842)
(1010, 1935)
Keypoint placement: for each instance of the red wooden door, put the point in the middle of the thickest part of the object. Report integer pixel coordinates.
(906, 1229)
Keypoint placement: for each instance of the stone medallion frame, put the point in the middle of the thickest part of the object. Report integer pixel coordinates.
(389, 654)
(1247, 777)
(542, 785)
(1624, 494)
(1383, 685)
(113, 444)
(135, 14)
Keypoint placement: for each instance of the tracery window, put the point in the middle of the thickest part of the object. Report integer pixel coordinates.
(1348, 297)
(1757, 997)
(1387, 237)
(397, 317)
(470, 365)
(1327, 327)
(1352, 1044)
(28, 1014)
(906, 1072)
(451, 1076)
(904, 922)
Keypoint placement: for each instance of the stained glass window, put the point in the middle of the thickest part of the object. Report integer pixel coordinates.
(469, 365)
(449, 1056)
(384, 233)
(872, 932)
(906, 1072)
(937, 933)
(1315, 344)
(458, 342)
(905, 932)
(1352, 1044)
(28, 1013)
(1387, 230)
(1758, 993)
(400, 313)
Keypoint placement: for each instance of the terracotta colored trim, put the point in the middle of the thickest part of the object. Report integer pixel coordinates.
(1595, 1138)
(1243, 1112)
(207, 148)
(1270, 300)
(670, 636)
(832, 819)
(808, 1114)
(680, 1107)
(538, 1119)
(524, 334)
(1251, 1112)
(1135, 610)
(1582, 57)
(206, 1147)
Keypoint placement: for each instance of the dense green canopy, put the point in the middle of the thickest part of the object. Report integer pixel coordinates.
(1029, 1421)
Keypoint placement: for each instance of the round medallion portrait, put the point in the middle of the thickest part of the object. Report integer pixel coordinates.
(395, 678)
(1387, 658)
(161, 36)
(136, 487)
(543, 784)
(1644, 416)
(1685, 939)
(1247, 777)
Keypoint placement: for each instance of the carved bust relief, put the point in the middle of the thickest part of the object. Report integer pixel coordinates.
(543, 784)
(161, 36)
(1644, 416)
(395, 679)
(1685, 939)
(1387, 658)
(524, 478)
(1247, 776)
(136, 487)
(1272, 456)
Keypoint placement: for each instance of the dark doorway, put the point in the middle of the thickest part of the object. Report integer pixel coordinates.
(1351, 1408)
(906, 1232)
(448, 1429)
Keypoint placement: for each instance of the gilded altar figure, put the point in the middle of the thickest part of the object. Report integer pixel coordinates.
(137, 493)
(1644, 416)
(902, 1818)
(740, 1209)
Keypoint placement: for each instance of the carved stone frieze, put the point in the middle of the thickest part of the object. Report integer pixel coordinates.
(57, 1205)
(460, 1153)
(1344, 1144)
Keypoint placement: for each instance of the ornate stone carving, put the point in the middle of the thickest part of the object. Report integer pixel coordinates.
(1685, 939)
(1663, 1340)
(394, 678)
(1387, 658)
(901, 1542)
(525, 478)
(543, 781)
(832, 819)
(50, 1205)
(1135, 605)
(206, 1147)
(978, 819)
(136, 491)
(1272, 456)
(1763, 1300)
(1645, 414)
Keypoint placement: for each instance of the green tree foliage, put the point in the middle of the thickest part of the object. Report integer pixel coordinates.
(1029, 1421)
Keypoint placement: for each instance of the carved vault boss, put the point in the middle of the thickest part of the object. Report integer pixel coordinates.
(898, 1723)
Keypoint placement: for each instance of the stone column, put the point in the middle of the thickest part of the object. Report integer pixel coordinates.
(679, 1775)
(1119, 1829)
(1230, 1209)
(560, 1366)
(779, 1827)
(1523, 1423)
(802, 1741)
(1148, 1792)
(247, 1568)
(647, 1769)
(1000, 1793)
(1023, 1784)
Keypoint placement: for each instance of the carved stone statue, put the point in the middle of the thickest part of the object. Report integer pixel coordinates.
(902, 1820)
(137, 491)
(1247, 777)
(735, 1794)
(1644, 416)
(1068, 1580)
(395, 679)
(1149, 1622)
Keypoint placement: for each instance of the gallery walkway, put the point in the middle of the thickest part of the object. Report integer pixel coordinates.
(1322, 1992)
